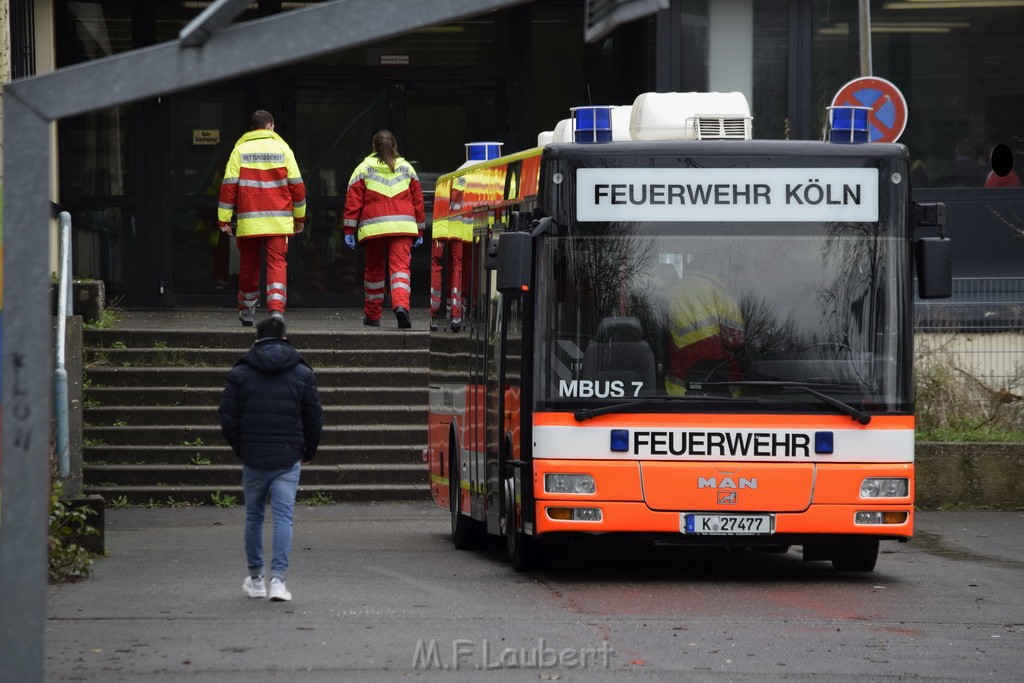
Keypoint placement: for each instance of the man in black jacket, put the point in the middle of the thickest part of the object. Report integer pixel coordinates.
(270, 413)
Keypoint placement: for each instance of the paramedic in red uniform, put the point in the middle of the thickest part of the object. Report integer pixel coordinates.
(451, 232)
(263, 189)
(384, 203)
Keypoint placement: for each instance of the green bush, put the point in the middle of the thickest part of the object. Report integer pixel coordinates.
(69, 561)
(954, 405)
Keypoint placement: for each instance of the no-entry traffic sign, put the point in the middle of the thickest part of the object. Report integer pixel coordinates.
(888, 116)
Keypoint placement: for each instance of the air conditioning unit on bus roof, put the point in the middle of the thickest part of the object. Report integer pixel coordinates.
(690, 116)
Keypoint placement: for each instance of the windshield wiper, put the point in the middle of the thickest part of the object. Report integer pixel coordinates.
(584, 414)
(844, 408)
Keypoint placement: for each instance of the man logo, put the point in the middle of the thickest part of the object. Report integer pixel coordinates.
(726, 483)
(726, 497)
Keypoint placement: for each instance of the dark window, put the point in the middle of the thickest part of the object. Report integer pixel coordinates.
(23, 47)
(958, 68)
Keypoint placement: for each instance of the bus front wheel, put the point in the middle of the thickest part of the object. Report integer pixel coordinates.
(856, 555)
(525, 553)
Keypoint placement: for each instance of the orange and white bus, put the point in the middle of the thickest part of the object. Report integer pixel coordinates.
(703, 340)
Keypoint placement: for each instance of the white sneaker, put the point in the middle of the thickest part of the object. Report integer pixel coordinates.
(278, 591)
(255, 588)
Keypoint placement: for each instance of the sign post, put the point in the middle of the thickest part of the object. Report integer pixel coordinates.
(888, 116)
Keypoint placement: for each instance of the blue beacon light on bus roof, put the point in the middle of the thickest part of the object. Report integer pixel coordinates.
(848, 124)
(592, 124)
(482, 151)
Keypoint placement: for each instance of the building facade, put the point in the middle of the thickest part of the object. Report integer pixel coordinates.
(140, 180)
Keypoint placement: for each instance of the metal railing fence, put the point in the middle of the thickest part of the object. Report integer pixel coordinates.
(979, 331)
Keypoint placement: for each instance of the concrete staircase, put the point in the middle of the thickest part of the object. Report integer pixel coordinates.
(151, 433)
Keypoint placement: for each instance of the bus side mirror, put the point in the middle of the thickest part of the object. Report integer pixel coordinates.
(515, 252)
(934, 256)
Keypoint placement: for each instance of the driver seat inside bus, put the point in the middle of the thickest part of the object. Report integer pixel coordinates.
(620, 353)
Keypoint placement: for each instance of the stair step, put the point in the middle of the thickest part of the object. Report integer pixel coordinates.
(339, 415)
(104, 376)
(313, 474)
(207, 434)
(225, 358)
(207, 495)
(241, 339)
(210, 396)
(221, 454)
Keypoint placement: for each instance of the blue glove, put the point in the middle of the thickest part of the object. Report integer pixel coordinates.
(350, 241)
(418, 242)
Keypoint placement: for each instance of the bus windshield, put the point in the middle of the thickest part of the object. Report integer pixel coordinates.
(737, 317)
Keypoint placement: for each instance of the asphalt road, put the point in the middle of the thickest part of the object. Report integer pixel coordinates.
(381, 594)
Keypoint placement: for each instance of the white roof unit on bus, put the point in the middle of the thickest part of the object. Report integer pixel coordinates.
(563, 131)
(545, 138)
(690, 116)
(621, 116)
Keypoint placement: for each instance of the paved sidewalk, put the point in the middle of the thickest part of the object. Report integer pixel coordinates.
(166, 604)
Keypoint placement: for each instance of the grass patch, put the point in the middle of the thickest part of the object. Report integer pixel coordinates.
(108, 318)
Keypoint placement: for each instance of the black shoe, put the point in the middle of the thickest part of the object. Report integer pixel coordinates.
(403, 318)
(456, 327)
(433, 326)
(371, 323)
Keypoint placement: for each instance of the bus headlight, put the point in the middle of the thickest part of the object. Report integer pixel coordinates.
(885, 487)
(569, 483)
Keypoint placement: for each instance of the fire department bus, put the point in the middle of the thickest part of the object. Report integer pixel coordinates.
(702, 341)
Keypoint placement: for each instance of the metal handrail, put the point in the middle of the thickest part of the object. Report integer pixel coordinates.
(60, 374)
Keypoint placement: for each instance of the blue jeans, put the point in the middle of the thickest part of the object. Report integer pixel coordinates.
(281, 486)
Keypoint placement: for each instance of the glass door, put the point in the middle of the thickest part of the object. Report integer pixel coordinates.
(204, 126)
(333, 129)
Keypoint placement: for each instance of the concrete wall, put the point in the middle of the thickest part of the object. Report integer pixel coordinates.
(981, 475)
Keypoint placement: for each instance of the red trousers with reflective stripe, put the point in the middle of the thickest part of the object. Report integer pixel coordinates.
(249, 270)
(454, 300)
(397, 252)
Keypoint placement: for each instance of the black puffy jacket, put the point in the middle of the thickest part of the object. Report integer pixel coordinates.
(270, 409)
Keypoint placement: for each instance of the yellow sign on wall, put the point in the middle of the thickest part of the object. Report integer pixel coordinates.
(205, 137)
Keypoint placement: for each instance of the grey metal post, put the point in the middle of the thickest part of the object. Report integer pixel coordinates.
(27, 393)
(865, 37)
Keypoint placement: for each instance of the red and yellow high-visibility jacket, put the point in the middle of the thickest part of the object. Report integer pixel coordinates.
(262, 186)
(383, 203)
(707, 333)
